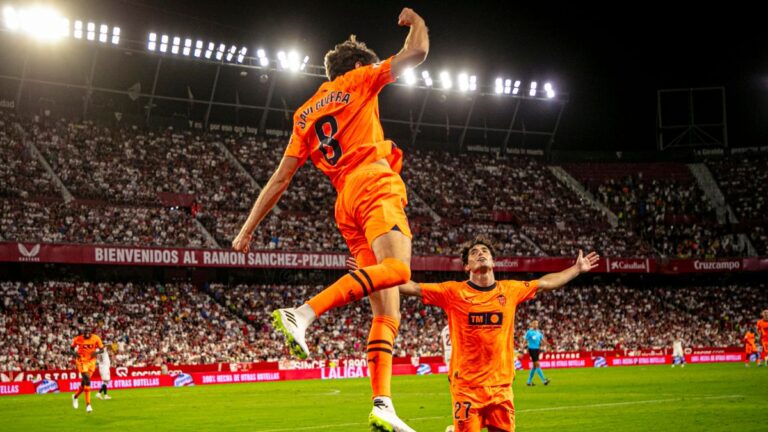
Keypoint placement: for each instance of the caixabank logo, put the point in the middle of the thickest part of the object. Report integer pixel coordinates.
(29, 255)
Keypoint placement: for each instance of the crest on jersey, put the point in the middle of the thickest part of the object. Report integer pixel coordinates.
(502, 299)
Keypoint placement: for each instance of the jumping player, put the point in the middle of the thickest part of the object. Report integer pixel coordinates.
(339, 129)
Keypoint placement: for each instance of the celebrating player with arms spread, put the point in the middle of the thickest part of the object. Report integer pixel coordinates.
(481, 317)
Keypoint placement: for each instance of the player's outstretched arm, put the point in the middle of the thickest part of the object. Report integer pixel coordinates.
(410, 288)
(557, 280)
(267, 199)
(416, 45)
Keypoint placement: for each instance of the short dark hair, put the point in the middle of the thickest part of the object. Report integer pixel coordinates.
(342, 58)
(479, 240)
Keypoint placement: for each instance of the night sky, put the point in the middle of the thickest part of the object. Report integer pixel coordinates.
(610, 61)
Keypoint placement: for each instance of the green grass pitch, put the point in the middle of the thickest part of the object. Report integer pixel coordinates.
(722, 397)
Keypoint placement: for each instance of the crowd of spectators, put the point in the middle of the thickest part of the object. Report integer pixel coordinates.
(118, 174)
(744, 181)
(132, 165)
(59, 222)
(664, 205)
(517, 196)
(152, 324)
(339, 333)
(597, 317)
(182, 324)
(21, 174)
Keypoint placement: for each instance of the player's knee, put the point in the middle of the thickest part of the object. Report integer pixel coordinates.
(401, 270)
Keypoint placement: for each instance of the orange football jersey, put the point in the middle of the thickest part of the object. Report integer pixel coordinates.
(762, 329)
(482, 327)
(749, 342)
(339, 126)
(86, 347)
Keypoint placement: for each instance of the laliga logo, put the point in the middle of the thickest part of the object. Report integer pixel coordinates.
(29, 255)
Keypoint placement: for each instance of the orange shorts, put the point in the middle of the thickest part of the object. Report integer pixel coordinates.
(86, 366)
(475, 408)
(371, 203)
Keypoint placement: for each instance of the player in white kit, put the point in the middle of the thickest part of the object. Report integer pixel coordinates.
(677, 352)
(104, 365)
(445, 337)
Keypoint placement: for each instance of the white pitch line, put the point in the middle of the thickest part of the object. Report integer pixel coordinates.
(328, 393)
(602, 405)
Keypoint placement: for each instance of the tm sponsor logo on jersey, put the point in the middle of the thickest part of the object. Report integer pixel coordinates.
(486, 318)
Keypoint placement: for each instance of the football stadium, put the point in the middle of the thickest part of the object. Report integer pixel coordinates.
(334, 216)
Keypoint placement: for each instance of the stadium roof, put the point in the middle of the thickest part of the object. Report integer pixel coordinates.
(611, 64)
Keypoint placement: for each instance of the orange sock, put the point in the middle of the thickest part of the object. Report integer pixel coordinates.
(78, 392)
(361, 283)
(87, 395)
(380, 342)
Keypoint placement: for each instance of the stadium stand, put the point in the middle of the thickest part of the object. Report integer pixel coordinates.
(179, 323)
(662, 203)
(117, 177)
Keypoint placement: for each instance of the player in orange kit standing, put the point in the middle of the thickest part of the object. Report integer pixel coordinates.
(86, 347)
(750, 347)
(339, 129)
(762, 330)
(481, 318)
